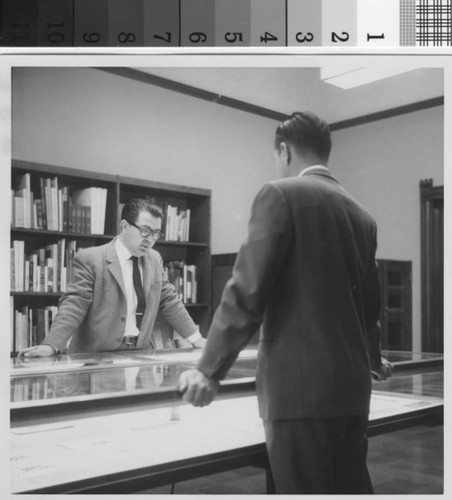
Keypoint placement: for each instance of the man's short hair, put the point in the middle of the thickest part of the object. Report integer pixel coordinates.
(305, 132)
(134, 206)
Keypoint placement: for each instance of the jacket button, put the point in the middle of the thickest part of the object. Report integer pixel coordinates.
(123, 320)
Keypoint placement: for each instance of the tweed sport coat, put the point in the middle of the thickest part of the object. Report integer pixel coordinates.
(307, 273)
(92, 313)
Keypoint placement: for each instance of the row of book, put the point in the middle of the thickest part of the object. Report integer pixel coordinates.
(30, 325)
(176, 223)
(27, 389)
(55, 208)
(45, 269)
(184, 279)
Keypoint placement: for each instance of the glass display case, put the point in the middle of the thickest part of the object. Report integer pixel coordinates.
(115, 422)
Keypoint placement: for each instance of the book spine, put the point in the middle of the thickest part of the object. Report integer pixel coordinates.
(65, 209)
(88, 221)
(43, 202)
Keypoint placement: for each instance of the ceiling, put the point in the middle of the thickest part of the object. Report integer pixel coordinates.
(288, 89)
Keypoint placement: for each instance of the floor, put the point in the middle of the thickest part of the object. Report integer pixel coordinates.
(409, 461)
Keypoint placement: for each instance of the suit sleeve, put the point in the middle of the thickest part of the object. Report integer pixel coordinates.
(173, 309)
(74, 304)
(372, 306)
(245, 296)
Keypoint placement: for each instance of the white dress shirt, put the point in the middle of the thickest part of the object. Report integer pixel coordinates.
(131, 298)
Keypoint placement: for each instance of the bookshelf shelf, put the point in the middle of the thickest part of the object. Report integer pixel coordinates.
(40, 232)
(36, 244)
(36, 294)
(187, 244)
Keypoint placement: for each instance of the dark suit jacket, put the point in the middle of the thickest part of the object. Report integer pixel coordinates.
(91, 314)
(307, 271)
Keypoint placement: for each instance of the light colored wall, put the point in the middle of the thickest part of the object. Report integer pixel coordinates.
(88, 119)
(381, 163)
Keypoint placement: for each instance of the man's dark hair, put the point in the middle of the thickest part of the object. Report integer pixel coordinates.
(134, 206)
(305, 131)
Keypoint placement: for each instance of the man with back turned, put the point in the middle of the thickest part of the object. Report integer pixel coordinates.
(307, 273)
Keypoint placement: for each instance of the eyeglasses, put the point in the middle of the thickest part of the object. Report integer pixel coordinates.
(146, 231)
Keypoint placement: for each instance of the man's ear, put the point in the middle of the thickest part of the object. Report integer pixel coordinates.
(285, 152)
(123, 225)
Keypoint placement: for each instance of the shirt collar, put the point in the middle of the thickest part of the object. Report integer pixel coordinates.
(121, 250)
(313, 167)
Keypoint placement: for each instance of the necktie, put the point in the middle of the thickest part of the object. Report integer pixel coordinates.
(141, 304)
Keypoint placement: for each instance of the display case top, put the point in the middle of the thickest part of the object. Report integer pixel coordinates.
(127, 377)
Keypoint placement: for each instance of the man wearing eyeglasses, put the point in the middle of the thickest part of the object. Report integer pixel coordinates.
(116, 291)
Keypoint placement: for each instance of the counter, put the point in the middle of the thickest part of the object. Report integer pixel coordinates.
(115, 423)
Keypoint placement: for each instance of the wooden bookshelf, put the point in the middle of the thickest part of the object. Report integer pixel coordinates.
(191, 246)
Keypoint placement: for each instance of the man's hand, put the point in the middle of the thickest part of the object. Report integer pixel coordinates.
(199, 344)
(383, 372)
(196, 388)
(37, 351)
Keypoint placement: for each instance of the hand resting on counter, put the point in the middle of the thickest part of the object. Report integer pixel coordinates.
(197, 389)
(383, 372)
(37, 351)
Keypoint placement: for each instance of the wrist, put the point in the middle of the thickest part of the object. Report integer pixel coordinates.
(55, 349)
(194, 337)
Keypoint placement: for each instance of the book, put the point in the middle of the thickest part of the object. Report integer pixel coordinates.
(55, 204)
(11, 324)
(95, 199)
(19, 264)
(19, 209)
(24, 190)
(48, 204)
(64, 208)
(43, 202)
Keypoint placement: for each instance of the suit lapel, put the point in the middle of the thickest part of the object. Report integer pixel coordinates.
(114, 267)
(148, 272)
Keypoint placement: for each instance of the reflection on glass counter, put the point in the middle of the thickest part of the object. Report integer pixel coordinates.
(411, 356)
(125, 372)
(128, 372)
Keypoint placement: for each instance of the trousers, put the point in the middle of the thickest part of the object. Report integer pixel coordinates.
(319, 455)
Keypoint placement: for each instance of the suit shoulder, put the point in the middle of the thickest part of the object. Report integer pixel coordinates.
(154, 256)
(93, 253)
